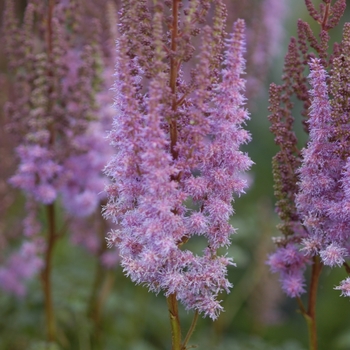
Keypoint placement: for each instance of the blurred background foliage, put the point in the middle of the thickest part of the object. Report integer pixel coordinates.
(257, 315)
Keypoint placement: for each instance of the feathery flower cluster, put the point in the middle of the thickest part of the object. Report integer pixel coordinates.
(323, 200)
(290, 263)
(53, 97)
(57, 113)
(177, 158)
(312, 185)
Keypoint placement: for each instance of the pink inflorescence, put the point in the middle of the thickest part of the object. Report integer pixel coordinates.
(59, 112)
(323, 200)
(164, 193)
(312, 185)
(37, 173)
(320, 186)
(20, 267)
(290, 263)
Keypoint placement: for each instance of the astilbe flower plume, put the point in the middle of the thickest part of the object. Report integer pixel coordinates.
(321, 201)
(57, 114)
(52, 101)
(59, 109)
(177, 158)
(311, 184)
(323, 198)
(289, 164)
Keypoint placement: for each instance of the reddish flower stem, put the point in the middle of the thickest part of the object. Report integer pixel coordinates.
(46, 275)
(310, 314)
(173, 76)
(51, 219)
(316, 270)
(171, 299)
(102, 285)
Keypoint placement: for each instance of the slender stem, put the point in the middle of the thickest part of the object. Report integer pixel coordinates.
(175, 322)
(104, 280)
(49, 26)
(325, 17)
(99, 271)
(49, 40)
(46, 275)
(316, 269)
(190, 331)
(105, 290)
(310, 314)
(102, 285)
(301, 306)
(347, 268)
(95, 287)
(174, 35)
(311, 326)
(174, 66)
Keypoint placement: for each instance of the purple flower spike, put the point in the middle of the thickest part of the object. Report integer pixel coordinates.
(322, 201)
(172, 184)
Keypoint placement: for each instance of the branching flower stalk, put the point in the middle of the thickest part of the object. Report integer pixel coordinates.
(177, 161)
(311, 184)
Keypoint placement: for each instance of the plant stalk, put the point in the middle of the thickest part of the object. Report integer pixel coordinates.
(190, 331)
(51, 219)
(46, 275)
(310, 314)
(174, 65)
(316, 270)
(175, 322)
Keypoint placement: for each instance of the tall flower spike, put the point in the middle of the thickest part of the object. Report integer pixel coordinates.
(319, 206)
(177, 144)
(286, 164)
(321, 198)
(57, 114)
